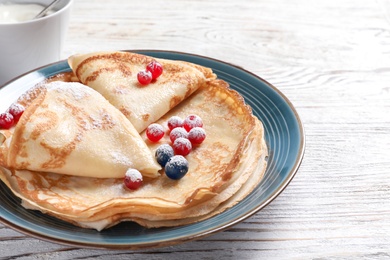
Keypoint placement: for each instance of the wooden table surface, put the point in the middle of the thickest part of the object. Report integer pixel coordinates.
(331, 58)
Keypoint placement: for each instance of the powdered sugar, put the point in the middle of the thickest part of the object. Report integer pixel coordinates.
(192, 121)
(26, 98)
(163, 153)
(122, 90)
(155, 129)
(165, 148)
(101, 120)
(175, 121)
(155, 132)
(176, 167)
(6, 120)
(178, 161)
(134, 175)
(182, 146)
(178, 132)
(119, 158)
(77, 90)
(15, 107)
(197, 135)
(7, 116)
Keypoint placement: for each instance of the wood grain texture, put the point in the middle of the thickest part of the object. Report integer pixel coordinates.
(331, 59)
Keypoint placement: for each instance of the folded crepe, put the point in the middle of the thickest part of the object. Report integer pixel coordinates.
(114, 75)
(68, 128)
(223, 170)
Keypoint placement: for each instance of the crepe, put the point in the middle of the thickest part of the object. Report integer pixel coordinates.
(114, 75)
(249, 178)
(224, 169)
(68, 128)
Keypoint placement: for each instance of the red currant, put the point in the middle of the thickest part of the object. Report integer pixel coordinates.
(133, 179)
(178, 132)
(155, 68)
(16, 110)
(174, 122)
(6, 120)
(197, 135)
(192, 121)
(182, 146)
(155, 132)
(144, 77)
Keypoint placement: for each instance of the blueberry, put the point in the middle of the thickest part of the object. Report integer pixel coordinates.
(176, 167)
(163, 153)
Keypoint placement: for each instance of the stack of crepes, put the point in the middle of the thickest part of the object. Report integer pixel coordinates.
(68, 154)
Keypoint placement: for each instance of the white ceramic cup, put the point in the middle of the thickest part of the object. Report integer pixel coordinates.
(27, 45)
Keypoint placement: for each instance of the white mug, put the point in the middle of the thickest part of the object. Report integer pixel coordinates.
(30, 44)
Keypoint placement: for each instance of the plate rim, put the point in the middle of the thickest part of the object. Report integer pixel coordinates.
(200, 234)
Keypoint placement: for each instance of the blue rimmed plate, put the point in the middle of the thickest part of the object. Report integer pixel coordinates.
(284, 137)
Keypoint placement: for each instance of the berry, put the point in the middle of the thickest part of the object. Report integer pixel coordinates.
(16, 110)
(182, 146)
(154, 132)
(192, 121)
(178, 132)
(144, 77)
(155, 68)
(197, 135)
(133, 179)
(6, 120)
(163, 153)
(174, 122)
(176, 167)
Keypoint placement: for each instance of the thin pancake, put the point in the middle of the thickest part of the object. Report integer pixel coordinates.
(71, 129)
(114, 75)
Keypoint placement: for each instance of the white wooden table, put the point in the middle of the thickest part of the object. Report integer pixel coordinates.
(331, 59)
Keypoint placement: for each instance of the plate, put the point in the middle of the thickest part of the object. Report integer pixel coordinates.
(284, 136)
